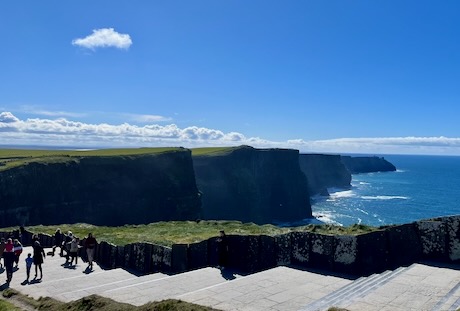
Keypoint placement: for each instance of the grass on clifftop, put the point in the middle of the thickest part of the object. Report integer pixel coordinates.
(212, 151)
(16, 157)
(186, 232)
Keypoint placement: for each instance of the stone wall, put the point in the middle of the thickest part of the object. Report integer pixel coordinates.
(389, 247)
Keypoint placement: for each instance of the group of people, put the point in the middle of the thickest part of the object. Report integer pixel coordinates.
(69, 245)
(11, 250)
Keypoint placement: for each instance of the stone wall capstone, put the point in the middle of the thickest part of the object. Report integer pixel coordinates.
(404, 246)
(283, 249)
(372, 252)
(267, 258)
(346, 254)
(453, 233)
(300, 248)
(179, 258)
(198, 255)
(433, 238)
(322, 251)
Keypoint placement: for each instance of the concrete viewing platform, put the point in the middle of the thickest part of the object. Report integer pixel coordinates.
(420, 286)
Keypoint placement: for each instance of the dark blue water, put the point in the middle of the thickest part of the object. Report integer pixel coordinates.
(421, 188)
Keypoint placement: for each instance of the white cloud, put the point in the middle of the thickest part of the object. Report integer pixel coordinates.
(7, 117)
(49, 113)
(103, 38)
(66, 133)
(146, 118)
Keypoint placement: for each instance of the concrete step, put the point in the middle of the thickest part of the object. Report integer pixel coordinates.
(356, 289)
(67, 283)
(155, 289)
(450, 301)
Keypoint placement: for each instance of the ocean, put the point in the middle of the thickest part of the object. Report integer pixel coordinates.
(422, 187)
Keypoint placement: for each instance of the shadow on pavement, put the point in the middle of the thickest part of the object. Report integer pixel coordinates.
(227, 274)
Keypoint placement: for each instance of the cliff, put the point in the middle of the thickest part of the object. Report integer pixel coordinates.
(252, 185)
(324, 171)
(102, 190)
(358, 165)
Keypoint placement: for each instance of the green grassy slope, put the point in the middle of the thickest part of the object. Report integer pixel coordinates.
(16, 157)
(177, 232)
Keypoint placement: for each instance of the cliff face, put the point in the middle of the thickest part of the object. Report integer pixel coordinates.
(324, 171)
(101, 190)
(358, 165)
(253, 185)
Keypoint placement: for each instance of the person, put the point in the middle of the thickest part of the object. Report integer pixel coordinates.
(2, 249)
(90, 245)
(66, 243)
(22, 231)
(74, 246)
(29, 262)
(17, 251)
(57, 241)
(39, 256)
(8, 258)
(222, 250)
(34, 238)
(16, 234)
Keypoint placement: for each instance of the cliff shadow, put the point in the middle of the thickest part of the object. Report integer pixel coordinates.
(325, 272)
(440, 264)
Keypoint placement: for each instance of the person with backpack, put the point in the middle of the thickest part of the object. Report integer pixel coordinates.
(74, 246)
(17, 251)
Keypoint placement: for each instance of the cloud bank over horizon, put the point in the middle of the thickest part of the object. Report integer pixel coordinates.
(61, 132)
(104, 38)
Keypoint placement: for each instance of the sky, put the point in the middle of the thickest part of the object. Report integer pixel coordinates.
(378, 77)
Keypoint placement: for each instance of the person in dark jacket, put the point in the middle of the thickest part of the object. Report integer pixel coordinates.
(39, 255)
(90, 245)
(8, 258)
(57, 241)
(222, 250)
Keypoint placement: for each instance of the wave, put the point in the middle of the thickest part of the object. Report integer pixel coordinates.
(384, 197)
(362, 211)
(342, 194)
(327, 217)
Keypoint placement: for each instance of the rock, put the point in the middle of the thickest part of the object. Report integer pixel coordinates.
(358, 165)
(253, 185)
(113, 190)
(324, 171)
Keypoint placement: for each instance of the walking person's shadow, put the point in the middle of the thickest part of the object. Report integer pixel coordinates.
(227, 274)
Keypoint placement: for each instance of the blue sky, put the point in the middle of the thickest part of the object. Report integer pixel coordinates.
(318, 76)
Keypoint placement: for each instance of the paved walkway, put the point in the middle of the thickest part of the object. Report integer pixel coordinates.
(417, 287)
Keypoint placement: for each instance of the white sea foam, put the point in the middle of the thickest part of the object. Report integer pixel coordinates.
(362, 211)
(364, 183)
(342, 194)
(384, 197)
(326, 217)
